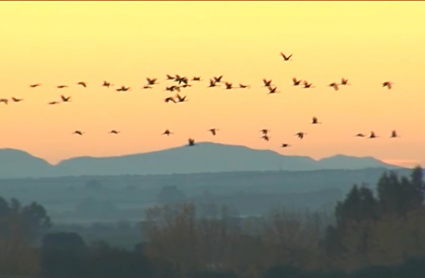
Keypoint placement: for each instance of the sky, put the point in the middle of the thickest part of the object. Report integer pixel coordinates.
(62, 43)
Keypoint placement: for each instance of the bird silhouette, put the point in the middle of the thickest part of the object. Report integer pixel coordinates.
(301, 134)
(243, 86)
(272, 90)
(394, 134)
(181, 99)
(265, 137)
(212, 84)
(196, 78)
(147, 87)
(372, 135)
(180, 79)
(334, 85)
(360, 135)
(53, 102)
(307, 85)
(285, 145)
(34, 85)
(296, 82)
(123, 89)
(65, 99)
(168, 99)
(82, 84)
(344, 81)
(173, 88)
(213, 131)
(114, 131)
(218, 79)
(167, 132)
(169, 77)
(17, 99)
(267, 83)
(62, 86)
(285, 58)
(78, 132)
(151, 81)
(315, 121)
(265, 131)
(228, 85)
(106, 84)
(387, 84)
(4, 100)
(191, 142)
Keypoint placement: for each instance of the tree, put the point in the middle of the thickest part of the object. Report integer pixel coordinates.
(63, 255)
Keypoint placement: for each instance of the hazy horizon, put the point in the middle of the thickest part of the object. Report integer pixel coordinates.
(62, 43)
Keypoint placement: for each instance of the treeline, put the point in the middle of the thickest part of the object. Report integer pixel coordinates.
(376, 232)
(382, 227)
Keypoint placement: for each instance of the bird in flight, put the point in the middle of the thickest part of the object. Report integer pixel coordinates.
(114, 131)
(387, 84)
(191, 142)
(296, 82)
(344, 81)
(181, 79)
(212, 84)
(285, 145)
(196, 78)
(151, 81)
(78, 132)
(213, 131)
(301, 134)
(181, 99)
(147, 87)
(315, 121)
(394, 134)
(307, 85)
(123, 89)
(17, 99)
(285, 58)
(273, 90)
(53, 102)
(106, 84)
(359, 135)
(82, 84)
(34, 85)
(169, 77)
(62, 86)
(242, 86)
(218, 79)
(265, 131)
(167, 132)
(173, 88)
(228, 85)
(65, 99)
(168, 99)
(265, 137)
(372, 135)
(4, 100)
(334, 85)
(267, 83)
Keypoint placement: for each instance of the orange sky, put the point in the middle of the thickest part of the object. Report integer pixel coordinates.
(57, 43)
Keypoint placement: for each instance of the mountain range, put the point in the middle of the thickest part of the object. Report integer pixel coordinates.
(202, 158)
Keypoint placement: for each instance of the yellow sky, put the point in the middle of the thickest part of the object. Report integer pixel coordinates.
(57, 43)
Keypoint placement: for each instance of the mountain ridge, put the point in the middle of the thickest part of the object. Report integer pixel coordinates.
(201, 158)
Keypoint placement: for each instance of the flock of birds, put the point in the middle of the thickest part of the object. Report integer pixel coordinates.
(182, 82)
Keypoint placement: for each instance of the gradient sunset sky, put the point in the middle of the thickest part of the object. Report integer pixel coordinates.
(56, 43)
